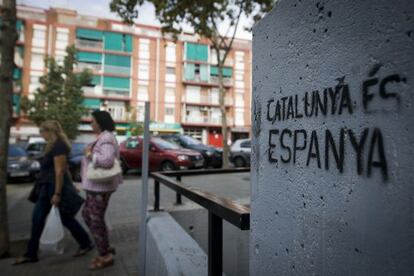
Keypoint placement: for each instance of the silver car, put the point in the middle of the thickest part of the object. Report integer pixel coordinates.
(240, 153)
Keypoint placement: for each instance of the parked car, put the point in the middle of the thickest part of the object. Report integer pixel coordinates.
(163, 155)
(75, 159)
(35, 149)
(19, 165)
(212, 156)
(240, 153)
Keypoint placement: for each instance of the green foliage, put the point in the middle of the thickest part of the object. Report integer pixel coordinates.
(207, 19)
(60, 96)
(136, 128)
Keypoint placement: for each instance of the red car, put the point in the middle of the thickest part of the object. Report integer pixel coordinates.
(163, 155)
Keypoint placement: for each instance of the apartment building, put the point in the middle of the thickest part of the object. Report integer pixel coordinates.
(132, 65)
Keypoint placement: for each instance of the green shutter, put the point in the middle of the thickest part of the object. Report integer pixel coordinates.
(197, 52)
(19, 25)
(116, 83)
(128, 43)
(96, 80)
(90, 57)
(89, 34)
(227, 72)
(214, 71)
(92, 103)
(202, 52)
(189, 71)
(115, 60)
(17, 73)
(16, 103)
(203, 72)
(118, 42)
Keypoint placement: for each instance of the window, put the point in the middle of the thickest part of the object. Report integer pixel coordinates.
(144, 49)
(245, 144)
(239, 76)
(132, 143)
(193, 94)
(169, 114)
(37, 62)
(239, 100)
(39, 36)
(170, 70)
(240, 60)
(170, 52)
(239, 117)
(140, 111)
(34, 80)
(143, 71)
(116, 109)
(170, 74)
(170, 95)
(240, 84)
(62, 38)
(143, 93)
(169, 111)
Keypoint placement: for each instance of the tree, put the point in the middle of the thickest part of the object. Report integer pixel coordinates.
(135, 128)
(60, 95)
(205, 17)
(8, 37)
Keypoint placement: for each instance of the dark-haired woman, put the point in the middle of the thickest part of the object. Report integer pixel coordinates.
(101, 153)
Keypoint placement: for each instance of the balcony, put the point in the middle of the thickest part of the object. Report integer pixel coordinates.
(89, 44)
(94, 67)
(213, 81)
(116, 93)
(205, 120)
(118, 70)
(208, 100)
(92, 90)
(226, 81)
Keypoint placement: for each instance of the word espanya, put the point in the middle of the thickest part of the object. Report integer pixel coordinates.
(367, 146)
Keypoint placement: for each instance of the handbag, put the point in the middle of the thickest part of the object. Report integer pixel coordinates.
(103, 175)
(34, 193)
(70, 202)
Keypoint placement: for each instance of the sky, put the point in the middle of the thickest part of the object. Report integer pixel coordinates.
(100, 8)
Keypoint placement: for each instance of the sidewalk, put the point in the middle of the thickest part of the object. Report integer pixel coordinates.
(122, 219)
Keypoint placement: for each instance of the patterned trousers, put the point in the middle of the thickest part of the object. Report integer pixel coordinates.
(94, 215)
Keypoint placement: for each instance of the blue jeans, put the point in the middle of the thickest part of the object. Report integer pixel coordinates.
(40, 212)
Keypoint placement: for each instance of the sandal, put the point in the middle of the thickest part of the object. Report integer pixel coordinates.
(24, 260)
(99, 263)
(112, 250)
(82, 252)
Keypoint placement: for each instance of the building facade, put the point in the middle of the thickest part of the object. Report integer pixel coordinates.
(132, 65)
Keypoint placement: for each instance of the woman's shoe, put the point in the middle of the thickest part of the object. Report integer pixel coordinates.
(101, 262)
(24, 260)
(82, 252)
(112, 250)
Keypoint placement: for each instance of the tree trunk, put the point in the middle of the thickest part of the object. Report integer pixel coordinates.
(224, 129)
(8, 37)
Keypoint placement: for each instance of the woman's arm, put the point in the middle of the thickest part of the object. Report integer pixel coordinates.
(104, 155)
(60, 162)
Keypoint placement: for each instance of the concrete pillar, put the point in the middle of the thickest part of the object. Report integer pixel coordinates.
(333, 139)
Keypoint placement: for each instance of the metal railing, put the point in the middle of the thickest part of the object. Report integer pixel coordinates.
(95, 67)
(82, 43)
(218, 208)
(117, 70)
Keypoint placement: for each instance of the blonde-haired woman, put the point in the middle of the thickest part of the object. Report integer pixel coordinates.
(52, 179)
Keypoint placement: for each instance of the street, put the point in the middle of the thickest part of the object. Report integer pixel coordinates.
(122, 220)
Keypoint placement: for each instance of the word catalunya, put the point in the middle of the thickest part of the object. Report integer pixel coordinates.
(322, 148)
(333, 101)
